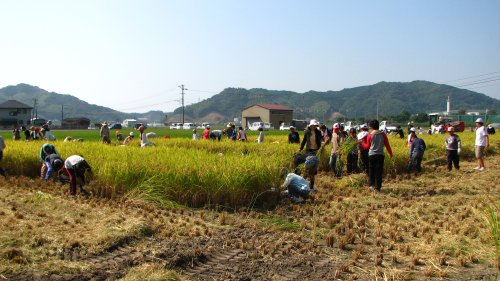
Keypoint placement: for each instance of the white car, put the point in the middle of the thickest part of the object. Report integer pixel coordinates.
(256, 125)
(384, 126)
(175, 126)
(189, 126)
(285, 126)
(203, 126)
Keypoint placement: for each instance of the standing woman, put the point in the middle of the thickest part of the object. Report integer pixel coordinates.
(375, 142)
(260, 138)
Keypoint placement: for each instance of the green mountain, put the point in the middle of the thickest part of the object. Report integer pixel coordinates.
(49, 105)
(392, 98)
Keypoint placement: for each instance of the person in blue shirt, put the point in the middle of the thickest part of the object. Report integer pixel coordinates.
(417, 149)
(296, 187)
(46, 150)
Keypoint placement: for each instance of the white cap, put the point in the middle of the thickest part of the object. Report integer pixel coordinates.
(412, 129)
(314, 122)
(336, 126)
(479, 120)
(451, 129)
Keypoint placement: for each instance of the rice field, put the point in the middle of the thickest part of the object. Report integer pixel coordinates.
(200, 173)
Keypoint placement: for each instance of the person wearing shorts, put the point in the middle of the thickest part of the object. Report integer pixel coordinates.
(482, 142)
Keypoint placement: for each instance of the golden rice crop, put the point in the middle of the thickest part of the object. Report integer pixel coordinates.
(201, 172)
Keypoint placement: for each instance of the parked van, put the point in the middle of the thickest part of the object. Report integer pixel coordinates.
(189, 126)
(256, 125)
(175, 126)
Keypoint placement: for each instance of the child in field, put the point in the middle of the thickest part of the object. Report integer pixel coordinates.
(375, 142)
(206, 133)
(53, 162)
(242, 136)
(47, 150)
(417, 149)
(79, 172)
(293, 136)
(453, 145)
(196, 136)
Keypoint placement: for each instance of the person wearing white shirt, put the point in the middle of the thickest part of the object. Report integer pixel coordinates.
(482, 142)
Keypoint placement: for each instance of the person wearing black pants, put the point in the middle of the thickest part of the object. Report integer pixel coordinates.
(375, 170)
(453, 145)
(76, 168)
(375, 142)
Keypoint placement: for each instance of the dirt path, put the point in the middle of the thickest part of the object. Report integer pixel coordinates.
(418, 229)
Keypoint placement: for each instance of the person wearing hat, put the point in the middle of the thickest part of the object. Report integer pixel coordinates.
(46, 150)
(105, 134)
(363, 153)
(334, 154)
(482, 142)
(128, 138)
(293, 136)
(144, 137)
(260, 138)
(453, 145)
(206, 133)
(417, 149)
(312, 138)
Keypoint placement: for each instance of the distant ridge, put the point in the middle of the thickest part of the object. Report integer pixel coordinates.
(392, 99)
(49, 105)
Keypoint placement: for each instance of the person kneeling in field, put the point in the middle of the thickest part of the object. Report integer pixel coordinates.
(79, 172)
(296, 187)
(46, 150)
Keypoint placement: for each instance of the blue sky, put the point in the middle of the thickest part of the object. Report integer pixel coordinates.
(133, 55)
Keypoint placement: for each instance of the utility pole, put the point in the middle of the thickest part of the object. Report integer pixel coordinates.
(377, 109)
(182, 100)
(34, 109)
(62, 112)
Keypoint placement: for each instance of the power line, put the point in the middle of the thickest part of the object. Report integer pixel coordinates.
(475, 76)
(491, 85)
(482, 81)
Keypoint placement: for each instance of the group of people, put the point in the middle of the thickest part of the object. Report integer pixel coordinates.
(77, 169)
(33, 133)
(367, 145)
(230, 132)
(143, 136)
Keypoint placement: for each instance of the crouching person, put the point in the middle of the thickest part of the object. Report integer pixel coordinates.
(46, 150)
(53, 162)
(296, 187)
(79, 172)
(311, 169)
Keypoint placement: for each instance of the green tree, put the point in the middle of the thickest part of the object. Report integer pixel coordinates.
(421, 117)
(461, 111)
(320, 109)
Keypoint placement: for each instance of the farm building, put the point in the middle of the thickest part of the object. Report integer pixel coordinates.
(267, 113)
(14, 113)
(75, 123)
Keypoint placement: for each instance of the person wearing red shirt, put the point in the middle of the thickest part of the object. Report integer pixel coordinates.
(206, 133)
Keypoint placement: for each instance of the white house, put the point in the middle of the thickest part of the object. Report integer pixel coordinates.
(129, 123)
